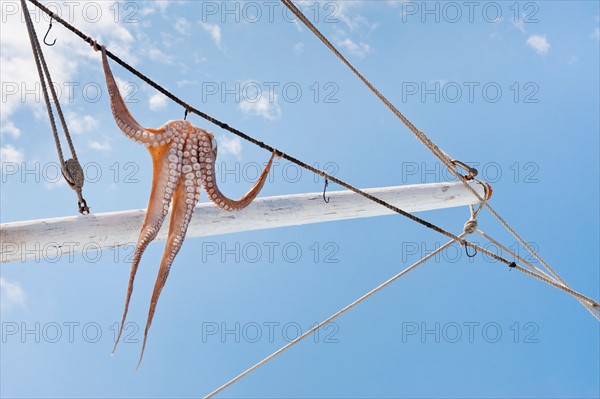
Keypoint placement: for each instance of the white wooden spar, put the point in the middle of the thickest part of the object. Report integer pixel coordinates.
(52, 238)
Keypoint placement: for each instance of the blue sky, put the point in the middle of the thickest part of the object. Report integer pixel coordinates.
(455, 327)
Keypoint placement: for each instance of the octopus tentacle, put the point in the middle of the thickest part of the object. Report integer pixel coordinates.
(166, 173)
(184, 201)
(183, 159)
(210, 183)
(126, 122)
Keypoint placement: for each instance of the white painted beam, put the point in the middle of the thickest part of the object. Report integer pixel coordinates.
(50, 238)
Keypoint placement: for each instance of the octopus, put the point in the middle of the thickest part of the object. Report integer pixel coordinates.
(183, 161)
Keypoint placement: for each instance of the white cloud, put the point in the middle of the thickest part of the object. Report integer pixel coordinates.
(10, 129)
(51, 185)
(596, 34)
(98, 146)
(231, 146)
(66, 61)
(84, 124)
(298, 48)
(157, 55)
(539, 43)
(345, 11)
(269, 110)
(357, 49)
(520, 25)
(157, 102)
(214, 31)
(8, 153)
(158, 5)
(185, 83)
(572, 60)
(183, 26)
(11, 295)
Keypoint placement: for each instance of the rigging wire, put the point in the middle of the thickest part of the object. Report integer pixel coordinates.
(530, 265)
(560, 284)
(267, 147)
(438, 152)
(323, 174)
(71, 169)
(335, 315)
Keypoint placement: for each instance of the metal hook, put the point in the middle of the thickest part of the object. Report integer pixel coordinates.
(84, 209)
(48, 31)
(468, 254)
(472, 172)
(324, 190)
(185, 114)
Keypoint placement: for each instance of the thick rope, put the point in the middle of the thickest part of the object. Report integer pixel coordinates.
(243, 135)
(335, 315)
(71, 169)
(439, 153)
(298, 162)
(35, 46)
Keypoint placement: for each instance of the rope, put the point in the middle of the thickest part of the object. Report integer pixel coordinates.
(335, 315)
(511, 253)
(312, 169)
(539, 271)
(71, 169)
(258, 143)
(445, 158)
(439, 153)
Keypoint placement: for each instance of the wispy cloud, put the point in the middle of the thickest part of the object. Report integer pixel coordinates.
(84, 124)
(67, 61)
(347, 12)
(359, 50)
(12, 295)
(157, 102)
(214, 31)
(8, 153)
(157, 55)
(183, 26)
(298, 48)
(539, 43)
(269, 110)
(231, 146)
(352, 34)
(98, 146)
(596, 34)
(520, 25)
(572, 60)
(185, 83)
(10, 129)
(157, 5)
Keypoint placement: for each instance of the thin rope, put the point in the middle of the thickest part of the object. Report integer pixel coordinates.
(445, 158)
(243, 135)
(438, 152)
(512, 253)
(71, 169)
(333, 316)
(302, 164)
